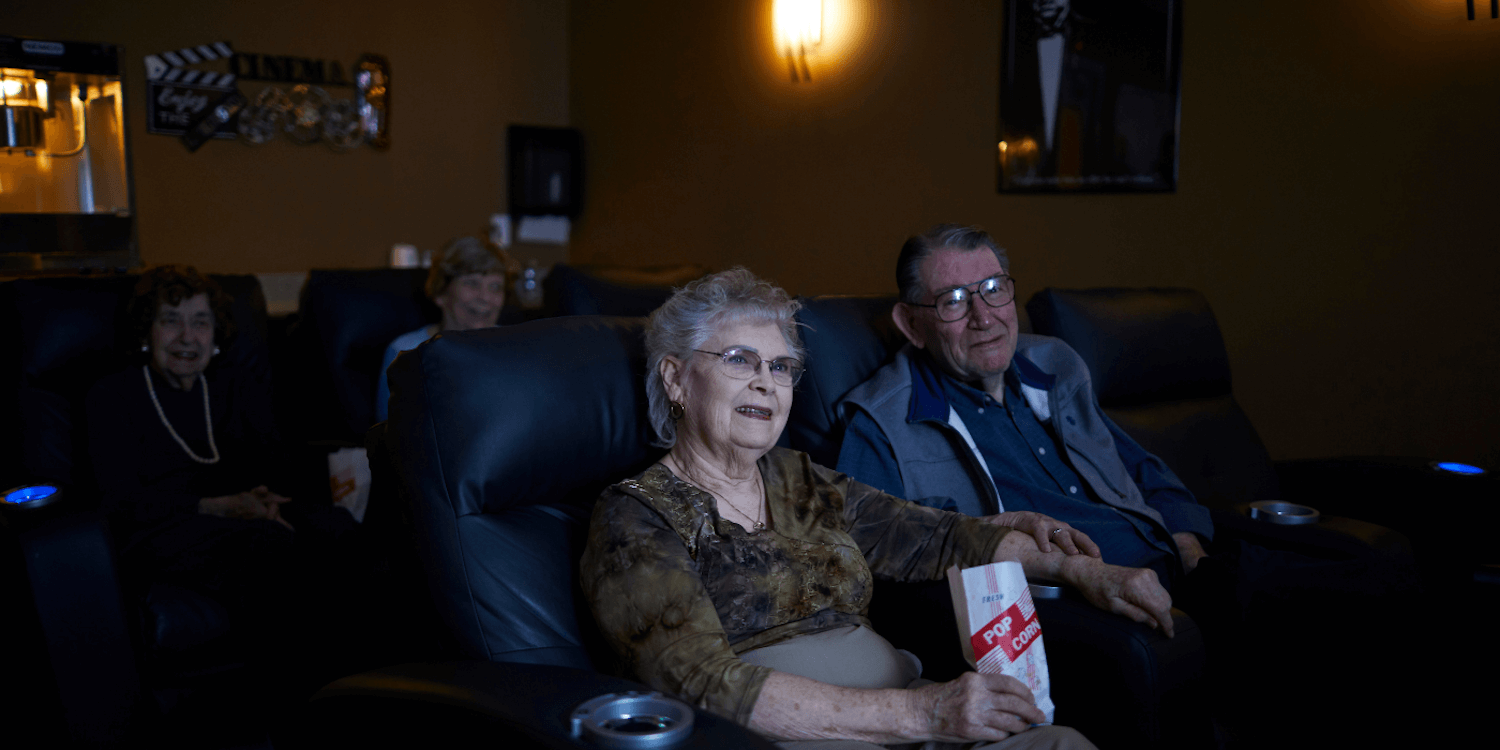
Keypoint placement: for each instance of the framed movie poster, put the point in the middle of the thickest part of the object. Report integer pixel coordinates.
(1089, 94)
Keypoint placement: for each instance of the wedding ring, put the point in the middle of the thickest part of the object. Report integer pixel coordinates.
(1057, 531)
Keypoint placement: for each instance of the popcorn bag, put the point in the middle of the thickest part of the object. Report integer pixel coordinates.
(998, 627)
(349, 480)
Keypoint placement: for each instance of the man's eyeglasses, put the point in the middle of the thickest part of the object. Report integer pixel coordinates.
(954, 304)
(742, 364)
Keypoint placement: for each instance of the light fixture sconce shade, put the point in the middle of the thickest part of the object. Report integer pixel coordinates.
(798, 24)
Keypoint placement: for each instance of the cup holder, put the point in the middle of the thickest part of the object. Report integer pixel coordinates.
(633, 721)
(1280, 512)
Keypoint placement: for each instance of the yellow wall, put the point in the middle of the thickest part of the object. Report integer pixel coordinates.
(461, 72)
(1336, 200)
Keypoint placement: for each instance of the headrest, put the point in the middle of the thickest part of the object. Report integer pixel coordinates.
(575, 291)
(1140, 345)
(545, 412)
(847, 340)
(346, 319)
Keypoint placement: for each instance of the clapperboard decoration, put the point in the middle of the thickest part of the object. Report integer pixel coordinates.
(181, 99)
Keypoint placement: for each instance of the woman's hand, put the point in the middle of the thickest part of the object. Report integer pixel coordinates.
(1047, 530)
(978, 707)
(257, 504)
(1133, 592)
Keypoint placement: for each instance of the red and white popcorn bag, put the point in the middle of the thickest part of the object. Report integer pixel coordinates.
(998, 627)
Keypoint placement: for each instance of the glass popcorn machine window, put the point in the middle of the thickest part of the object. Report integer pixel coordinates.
(65, 197)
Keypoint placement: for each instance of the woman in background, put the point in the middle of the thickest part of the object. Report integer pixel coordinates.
(467, 282)
(186, 455)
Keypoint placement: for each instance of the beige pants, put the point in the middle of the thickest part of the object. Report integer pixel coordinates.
(857, 657)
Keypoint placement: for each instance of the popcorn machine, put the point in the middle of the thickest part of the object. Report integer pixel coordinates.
(65, 189)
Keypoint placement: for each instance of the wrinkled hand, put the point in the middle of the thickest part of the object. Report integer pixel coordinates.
(1070, 540)
(978, 707)
(1133, 592)
(1192, 551)
(259, 503)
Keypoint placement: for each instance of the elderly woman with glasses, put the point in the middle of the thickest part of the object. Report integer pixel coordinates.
(737, 575)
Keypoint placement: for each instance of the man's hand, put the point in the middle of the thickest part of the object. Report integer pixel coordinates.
(1191, 549)
(1047, 530)
(256, 504)
(977, 707)
(1133, 592)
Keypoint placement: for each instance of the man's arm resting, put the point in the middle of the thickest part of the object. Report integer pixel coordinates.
(1135, 593)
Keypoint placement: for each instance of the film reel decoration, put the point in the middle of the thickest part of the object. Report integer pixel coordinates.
(304, 122)
(260, 121)
(308, 114)
(341, 125)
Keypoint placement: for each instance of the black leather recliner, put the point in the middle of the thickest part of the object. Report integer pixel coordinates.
(1161, 371)
(498, 443)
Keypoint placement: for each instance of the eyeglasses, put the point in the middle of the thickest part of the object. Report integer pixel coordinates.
(954, 304)
(742, 364)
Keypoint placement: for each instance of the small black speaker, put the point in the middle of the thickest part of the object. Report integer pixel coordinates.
(546, 171)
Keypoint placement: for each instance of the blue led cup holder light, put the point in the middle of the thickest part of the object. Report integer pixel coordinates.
(1458, 469)
(31, 496)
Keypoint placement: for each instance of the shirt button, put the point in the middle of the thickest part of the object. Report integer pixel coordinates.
(981, 410)
(1073, 489)
(1042, 451)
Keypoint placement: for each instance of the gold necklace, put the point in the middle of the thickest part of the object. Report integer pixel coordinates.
(208, 419)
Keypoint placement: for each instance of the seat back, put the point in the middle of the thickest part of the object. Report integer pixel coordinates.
(345, 320)
(501, 441)
(847, 340)
(1161, 372)
(61, 335)
(599, 290)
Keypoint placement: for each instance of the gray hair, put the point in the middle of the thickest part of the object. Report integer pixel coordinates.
(694, 313)
(943, 236)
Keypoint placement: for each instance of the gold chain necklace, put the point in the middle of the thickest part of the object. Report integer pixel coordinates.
(208, 419)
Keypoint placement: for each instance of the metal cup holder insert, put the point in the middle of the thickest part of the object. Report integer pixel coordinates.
(1277, 511)
(633, 721)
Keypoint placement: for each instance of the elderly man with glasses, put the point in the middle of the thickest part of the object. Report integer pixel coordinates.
(977, 417)
(992, 420)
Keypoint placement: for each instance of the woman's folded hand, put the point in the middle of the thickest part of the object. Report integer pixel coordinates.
(257, 504)
(1047, 531)
(978, 707)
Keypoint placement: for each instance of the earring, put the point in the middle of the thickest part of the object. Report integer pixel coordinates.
(675, 410)
(216, 351)
(144, 347)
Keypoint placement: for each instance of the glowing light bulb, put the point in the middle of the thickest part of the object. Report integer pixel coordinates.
(798, 22)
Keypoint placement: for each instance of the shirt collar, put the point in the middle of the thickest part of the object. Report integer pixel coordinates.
(929, 402)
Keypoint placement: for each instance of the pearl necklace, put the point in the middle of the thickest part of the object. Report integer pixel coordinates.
(208, 419)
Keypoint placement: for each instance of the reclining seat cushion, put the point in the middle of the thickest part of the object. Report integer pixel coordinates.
(502, 440)
(1161, 371)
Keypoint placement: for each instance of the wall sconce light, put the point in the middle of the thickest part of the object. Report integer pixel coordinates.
(798, 25)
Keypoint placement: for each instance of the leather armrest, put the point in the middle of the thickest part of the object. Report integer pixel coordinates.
(70, 582)
(1451, 512)
(1332, 537)
(474, 703)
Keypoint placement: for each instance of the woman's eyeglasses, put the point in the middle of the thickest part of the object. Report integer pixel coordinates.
(742, 364)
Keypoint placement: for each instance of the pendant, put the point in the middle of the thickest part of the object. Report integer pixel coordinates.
(760, 526)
